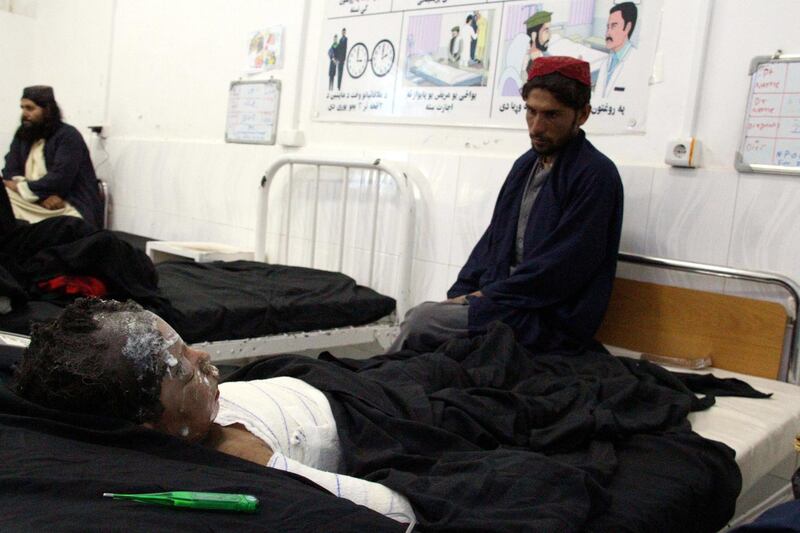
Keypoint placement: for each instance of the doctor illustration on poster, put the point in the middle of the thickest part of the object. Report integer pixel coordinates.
(539, 29)
(615, 75)
(617, 38)
(620, 91)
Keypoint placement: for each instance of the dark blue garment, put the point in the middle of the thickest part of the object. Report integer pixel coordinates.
(783, 518)
(70, 173)
(558, 295)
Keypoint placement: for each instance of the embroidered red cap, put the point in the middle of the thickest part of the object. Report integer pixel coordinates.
(576, 69)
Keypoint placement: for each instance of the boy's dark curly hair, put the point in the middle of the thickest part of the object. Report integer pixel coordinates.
(76, 363)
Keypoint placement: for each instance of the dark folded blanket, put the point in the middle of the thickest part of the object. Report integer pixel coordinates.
(486, 436)
(243, 299)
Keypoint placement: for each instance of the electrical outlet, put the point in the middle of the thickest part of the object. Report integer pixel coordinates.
(683, 153)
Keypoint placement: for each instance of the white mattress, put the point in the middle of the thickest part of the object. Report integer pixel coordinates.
(760, 431)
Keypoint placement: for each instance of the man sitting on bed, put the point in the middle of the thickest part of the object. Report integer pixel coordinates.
(48, 171)
(117, 360)
(546, 263)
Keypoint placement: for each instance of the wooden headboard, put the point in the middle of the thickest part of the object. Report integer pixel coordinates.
(739, 334)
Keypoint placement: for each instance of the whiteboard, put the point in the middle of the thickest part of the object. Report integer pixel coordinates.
(253, 112)
(771, 132)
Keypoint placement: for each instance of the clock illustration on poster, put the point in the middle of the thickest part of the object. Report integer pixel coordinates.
(381, 60)
(357, 60)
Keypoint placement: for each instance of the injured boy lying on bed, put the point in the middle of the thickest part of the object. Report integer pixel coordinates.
(481, 435)
(116, 359)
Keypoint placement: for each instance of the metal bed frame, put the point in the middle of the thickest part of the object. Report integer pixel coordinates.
(382, 331)
(789, 368)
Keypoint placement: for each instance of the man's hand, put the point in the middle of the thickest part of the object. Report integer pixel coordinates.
(52, 202)
(10, 184)
(463, 298)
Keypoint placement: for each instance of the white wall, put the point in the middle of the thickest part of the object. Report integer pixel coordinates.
(63, 44)
(16, 53)
(174, 178)
(73, 42)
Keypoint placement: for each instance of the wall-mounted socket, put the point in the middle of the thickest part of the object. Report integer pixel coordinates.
(683, 153)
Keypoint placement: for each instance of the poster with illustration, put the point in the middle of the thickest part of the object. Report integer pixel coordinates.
(358, 66)
(264, 50)
(464, 62)
(621, 82)
(447, 64)
(615, 39)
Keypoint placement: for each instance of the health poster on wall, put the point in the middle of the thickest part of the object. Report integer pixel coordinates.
(464, 62)
(358, 68)
(264, 50)
(447, 64)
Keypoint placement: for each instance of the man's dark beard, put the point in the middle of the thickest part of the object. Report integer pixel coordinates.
(540, 46)
(33, 131)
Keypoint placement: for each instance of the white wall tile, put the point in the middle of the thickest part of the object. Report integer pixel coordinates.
(122, 218)
(429, 282)
(384, 273)
(766, 231)
(690, 219)
(452, 275)
(638, 184)
(479, 182)
(437, 194)
(205, 231)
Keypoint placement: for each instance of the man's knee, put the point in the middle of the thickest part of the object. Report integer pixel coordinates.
(431, 323)
(420, 315)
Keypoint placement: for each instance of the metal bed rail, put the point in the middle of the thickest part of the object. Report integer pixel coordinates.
(376, 168)
(788, 368)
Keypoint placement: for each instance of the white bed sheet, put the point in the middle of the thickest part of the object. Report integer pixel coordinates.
(760, 431)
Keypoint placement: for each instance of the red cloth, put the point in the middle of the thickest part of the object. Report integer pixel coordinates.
(576, 69)
(75, 286)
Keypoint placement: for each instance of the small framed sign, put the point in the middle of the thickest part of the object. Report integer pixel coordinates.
(253, 108)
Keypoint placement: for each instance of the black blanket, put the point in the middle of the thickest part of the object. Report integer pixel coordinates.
(481, 436)
(484, 436)
(243, 299)
(68, 246)
(203, 302)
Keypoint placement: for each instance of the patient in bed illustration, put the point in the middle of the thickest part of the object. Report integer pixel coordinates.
(118, 360)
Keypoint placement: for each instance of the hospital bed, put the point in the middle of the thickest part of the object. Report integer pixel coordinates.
(753, 340)
(327, 218)
(353, 215)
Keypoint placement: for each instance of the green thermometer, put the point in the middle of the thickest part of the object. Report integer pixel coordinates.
(217, 501)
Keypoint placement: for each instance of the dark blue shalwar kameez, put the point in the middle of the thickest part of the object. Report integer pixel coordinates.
(558, 293)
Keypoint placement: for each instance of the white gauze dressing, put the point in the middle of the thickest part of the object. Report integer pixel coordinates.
(142, 339)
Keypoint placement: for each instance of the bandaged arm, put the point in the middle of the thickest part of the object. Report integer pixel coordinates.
(359, 491)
